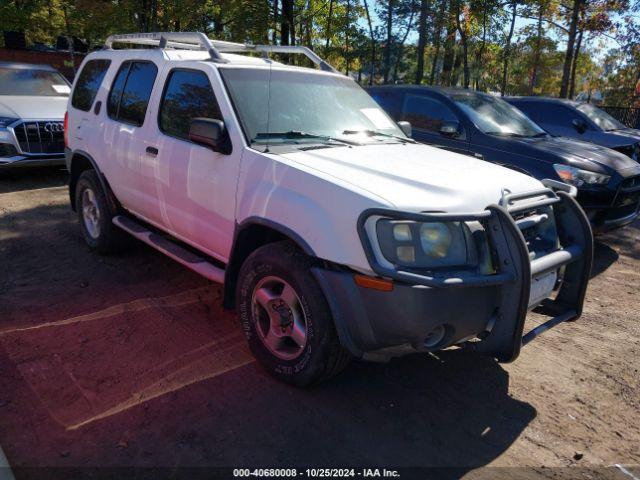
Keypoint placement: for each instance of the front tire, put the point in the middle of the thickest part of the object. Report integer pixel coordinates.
(285, 316)
(95, 216)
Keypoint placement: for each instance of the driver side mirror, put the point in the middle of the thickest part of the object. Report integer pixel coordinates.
(450, 129)
(406, 128)
(210, 133)
(579, 125)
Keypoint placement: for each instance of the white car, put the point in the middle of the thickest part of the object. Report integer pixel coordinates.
(334, 234)
(33, 101)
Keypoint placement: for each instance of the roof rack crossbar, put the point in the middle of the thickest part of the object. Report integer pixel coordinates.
(199, 41)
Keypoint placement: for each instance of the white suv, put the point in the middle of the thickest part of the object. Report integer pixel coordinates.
(33, 99)
(334, 234)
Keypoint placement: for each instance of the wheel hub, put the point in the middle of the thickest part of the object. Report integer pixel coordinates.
(279, 318)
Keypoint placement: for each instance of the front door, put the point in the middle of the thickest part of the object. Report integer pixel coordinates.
(194, 186)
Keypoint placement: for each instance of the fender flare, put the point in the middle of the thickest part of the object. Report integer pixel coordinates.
(112, 200)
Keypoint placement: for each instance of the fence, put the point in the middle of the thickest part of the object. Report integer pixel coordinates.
(628, 116)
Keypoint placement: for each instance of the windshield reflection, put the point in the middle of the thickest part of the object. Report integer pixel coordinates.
(496, 117)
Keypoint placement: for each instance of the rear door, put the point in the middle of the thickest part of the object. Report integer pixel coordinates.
(124, 131)
(194, 187)
(83, 98)
(427, 115)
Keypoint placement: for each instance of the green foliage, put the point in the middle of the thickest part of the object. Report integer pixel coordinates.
(456, 33)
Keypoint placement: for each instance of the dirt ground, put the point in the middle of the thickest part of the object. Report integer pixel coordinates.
(129, 361)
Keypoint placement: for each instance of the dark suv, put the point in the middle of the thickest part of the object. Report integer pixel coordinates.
(582, 121)
(491, 129)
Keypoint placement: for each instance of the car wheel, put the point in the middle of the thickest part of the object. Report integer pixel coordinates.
(285, 316)
(95, 216)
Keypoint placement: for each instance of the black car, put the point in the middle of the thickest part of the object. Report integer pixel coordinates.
(491, 129)
(580, 120)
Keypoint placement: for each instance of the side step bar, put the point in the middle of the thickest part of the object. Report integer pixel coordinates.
(170, 249)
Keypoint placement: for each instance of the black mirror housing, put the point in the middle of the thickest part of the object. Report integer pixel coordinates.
(406, 128)
(210, 133)
(579, 125)
(450, 129)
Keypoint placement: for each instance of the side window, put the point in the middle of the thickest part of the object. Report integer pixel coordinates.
(388, 101)
(187, 95)
(426, 113)
(530, 109)
(130, 92)
(553, 114)
(88, 84)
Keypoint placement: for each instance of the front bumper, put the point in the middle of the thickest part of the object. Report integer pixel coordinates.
(485, 312)
(30, 161)
(612, 208)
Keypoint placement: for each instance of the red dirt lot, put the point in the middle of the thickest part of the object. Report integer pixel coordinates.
(129, 362)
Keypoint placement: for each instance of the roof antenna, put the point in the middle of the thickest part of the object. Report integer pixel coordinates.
(266, 150)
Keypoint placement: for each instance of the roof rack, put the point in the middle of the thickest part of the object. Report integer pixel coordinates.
(199, 41)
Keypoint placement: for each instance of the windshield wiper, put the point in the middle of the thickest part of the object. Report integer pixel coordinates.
(296, 134)
(373, 133)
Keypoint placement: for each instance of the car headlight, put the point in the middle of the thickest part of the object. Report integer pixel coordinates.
(6, 121)
(577, 177)
(423, 245)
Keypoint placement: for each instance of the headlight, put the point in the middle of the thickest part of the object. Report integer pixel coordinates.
(577, 177)
(423, 245)
(6, 121)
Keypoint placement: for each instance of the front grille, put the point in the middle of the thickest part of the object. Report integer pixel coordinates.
(44, 137)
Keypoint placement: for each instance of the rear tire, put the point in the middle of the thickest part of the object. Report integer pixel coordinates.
(95, 217)
(285, 316)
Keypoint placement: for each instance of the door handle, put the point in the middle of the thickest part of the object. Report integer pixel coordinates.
(96, 109)
(152, 151)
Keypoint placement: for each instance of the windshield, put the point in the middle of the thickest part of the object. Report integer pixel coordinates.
(299, 107)
(600, 117)
(19, 81)
(495, 116)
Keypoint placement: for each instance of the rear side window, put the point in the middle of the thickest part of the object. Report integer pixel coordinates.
(88, 84)
(427, 113)
(130, 92)
(187, 95)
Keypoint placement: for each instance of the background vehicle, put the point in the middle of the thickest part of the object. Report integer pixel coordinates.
(33, 100)
(333, 233)
(489, 128)
(580, 120)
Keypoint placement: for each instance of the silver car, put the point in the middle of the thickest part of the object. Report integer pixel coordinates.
(33, 102)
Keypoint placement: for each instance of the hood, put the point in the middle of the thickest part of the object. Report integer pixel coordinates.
(626, 136)
(417, 177)
(28, 108)
(581, 154)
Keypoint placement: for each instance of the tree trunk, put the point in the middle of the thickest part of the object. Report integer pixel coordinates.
(507, 50)
(465, 47)
(396, 66)
(449, 52)
(572, 84)
(536, 56)
(347, 57)
(328, 32)
(422, 39)
(274, 35)
(387, 50)
(568, 56)
(477, 64)
(373, 43)
(437, 38)
(287, 30)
